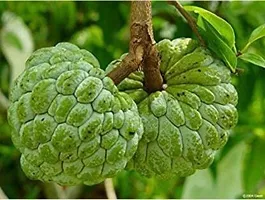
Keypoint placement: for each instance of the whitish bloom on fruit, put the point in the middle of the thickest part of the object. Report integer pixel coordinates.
(190, 119)
(69, 121)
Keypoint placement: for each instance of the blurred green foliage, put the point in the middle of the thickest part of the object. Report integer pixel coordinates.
(103, 29)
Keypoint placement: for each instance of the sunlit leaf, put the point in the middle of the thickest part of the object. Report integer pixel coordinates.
(89, 37)
(229, 180)
(216, 44)
(16, 42)
(255, 35)
(13, 40)
(220, 25)
(253, 58)
(199, 186)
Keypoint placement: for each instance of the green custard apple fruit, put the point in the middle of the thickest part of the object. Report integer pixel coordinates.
(190, 119)
(69, 120)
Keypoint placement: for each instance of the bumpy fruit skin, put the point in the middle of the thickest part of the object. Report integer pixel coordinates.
(69, 121)
(190, 119)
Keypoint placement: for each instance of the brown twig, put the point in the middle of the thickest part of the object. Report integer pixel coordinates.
(110, 191)
(153, 80)
(189, 19)
(142, 50)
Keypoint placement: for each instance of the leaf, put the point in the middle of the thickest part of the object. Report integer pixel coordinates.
(254, 160)
(16, 42)
(220, 25)
(229, 173)
(255, 35)
(89, 37)
(199, 186)
(216, 44)
(13, 40)
(253, 58)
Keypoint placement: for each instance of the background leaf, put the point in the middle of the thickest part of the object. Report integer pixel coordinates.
(255, 35)
(229, 180)
(220, 25)
(16, 42)
(253, 58)
(199, 186)
(216, 44)
(254, 165)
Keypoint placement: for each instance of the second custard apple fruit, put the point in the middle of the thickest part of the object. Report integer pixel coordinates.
(69, 121)
(190, 119)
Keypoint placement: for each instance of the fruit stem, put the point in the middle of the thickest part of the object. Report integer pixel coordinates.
(190, 20)
(142, 50)
(109, 187)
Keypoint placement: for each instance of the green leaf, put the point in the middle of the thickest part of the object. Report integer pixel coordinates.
(216, 44)
(199, 186)
(253, 58)
(220, 25)
(255, 35)
(254, 160)
(89, 37)
(229, 181)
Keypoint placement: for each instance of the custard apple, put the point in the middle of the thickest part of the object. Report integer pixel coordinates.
(69, 120)
(190, 119)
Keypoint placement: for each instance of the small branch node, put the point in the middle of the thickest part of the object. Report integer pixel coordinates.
(142, 50)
